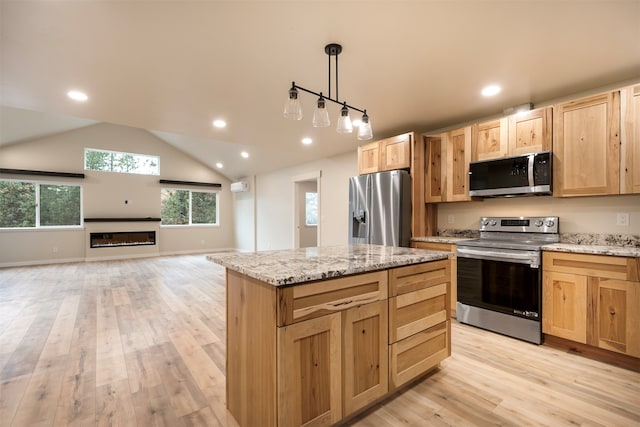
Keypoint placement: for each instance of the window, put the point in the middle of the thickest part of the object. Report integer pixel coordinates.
(29, 204)
(186, 207)
(311, 208)
(115, 161)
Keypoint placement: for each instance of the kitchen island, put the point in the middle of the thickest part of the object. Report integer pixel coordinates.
(316, 335)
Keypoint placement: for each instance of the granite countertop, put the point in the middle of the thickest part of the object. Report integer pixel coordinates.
(627, 251)
(440, 239)
(294, 266)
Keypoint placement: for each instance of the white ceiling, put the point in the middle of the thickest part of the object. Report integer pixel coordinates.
(171, 67)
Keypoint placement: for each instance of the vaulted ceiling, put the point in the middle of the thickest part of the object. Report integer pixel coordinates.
(172, 67)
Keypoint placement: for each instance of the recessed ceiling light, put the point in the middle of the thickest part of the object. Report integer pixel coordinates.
(307, 141)
(219, 123)
(76, 95)
(219, 165)
(491, 90)
(245, 154)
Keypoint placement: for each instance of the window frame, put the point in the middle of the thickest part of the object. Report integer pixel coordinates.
(37, 226)
(191, 224)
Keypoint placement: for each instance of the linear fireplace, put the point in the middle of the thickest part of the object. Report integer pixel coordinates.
(125, 238)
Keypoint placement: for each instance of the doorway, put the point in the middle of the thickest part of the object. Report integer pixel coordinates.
(307, 210)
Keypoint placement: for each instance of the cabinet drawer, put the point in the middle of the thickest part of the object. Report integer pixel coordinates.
(611, 267)
(418, 354)
(416, 311)
(296, 303)
(414, 277)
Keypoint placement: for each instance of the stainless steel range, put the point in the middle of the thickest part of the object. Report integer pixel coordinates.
(500, 275)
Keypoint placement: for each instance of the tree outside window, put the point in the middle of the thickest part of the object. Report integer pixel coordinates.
(186, 207)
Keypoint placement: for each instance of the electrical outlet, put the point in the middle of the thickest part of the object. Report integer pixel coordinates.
(622, 219)
(451, 219)
(55, 249)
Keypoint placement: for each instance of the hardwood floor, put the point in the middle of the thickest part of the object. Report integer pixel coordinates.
(138, 343)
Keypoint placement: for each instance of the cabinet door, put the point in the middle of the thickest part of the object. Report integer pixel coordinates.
(564, 305)
(614, 314)
(310, 372)
(436, 160)
(458, 143)
(490, 140)
(630, 141)
(365, 355)
(368, 158)
(586, 146)
(530, 132)
(395, 152)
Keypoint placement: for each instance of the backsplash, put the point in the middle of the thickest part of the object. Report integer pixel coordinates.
(472, 234)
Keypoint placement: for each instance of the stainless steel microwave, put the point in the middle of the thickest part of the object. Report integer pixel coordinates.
(528, 174)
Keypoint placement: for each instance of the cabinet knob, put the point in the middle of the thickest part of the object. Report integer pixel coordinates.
(612, 311)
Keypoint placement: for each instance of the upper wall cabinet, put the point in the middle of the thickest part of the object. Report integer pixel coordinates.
(490, 139)
(385, 155)
(630, 140)
(530, 132)
(586, 146)
(448, 158)
(522, 133)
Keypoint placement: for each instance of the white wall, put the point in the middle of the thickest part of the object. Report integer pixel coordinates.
(110, 194)
(577, 214)
(245, 217)
(275, 209)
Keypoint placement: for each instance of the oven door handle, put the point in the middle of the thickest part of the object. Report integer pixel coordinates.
(520, 257)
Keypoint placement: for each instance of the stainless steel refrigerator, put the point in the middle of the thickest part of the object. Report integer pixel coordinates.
(380, 208)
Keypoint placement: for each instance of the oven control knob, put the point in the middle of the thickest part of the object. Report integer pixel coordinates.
(550, 223)
(493, 223)
(485, 222)
(538, 223)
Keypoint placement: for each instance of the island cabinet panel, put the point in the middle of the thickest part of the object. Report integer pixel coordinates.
(586, 146)
(251, 350)
(311, 300)
(310, 372)
(419, 325)
(366, 360)
(445, 247)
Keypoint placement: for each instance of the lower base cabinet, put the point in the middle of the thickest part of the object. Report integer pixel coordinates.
(317, 353)
(447, 247)
(592, 299)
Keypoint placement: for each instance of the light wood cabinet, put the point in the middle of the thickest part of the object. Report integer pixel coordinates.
(564, 302)
(365, 359)
(586, 146)
(448, 158)
(592, 299)
(314, 353)
(310, 372)
(385, 155)
(419, 325)
(446, 247)
(530, 131)
(521, 133)
(490, 139)
(630, 140)
(369, 158)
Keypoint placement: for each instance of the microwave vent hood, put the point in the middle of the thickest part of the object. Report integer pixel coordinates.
(523, 175)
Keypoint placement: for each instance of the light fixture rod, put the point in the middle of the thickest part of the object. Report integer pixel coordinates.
(294, 85)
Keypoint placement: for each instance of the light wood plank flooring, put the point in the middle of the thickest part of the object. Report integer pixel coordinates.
(140, 343)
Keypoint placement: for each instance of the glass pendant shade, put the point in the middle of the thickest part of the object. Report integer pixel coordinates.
(321, 115)
(364, 131)
(344, 121)
(292, 109)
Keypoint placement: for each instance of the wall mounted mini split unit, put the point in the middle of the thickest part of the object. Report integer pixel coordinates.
(239, 187)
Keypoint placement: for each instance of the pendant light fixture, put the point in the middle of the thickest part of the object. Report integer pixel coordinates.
(292, 109)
